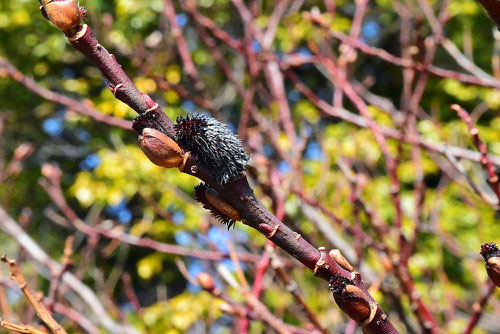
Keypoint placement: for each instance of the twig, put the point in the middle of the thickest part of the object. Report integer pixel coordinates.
(52, 186)
(19, 328)
(41, 310)
(70, 103)
(11, 228)
(483, 149)
(66, 264)
(238, 193)
(478, 307)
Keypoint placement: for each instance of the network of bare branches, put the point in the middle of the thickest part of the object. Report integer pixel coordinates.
(191, 145)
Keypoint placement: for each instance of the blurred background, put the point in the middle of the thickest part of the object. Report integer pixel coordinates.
(315, 163)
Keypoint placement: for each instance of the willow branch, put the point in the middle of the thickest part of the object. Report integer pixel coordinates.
(483, 149)
(20, 328)
(240, 195)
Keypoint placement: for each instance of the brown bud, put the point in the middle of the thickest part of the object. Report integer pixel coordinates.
(224, 207)
(354, 303)
(160, 148)
(64, 14)
(341, 260)
(206, 281)
(493, 269)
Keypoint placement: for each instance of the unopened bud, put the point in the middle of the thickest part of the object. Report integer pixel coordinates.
(354, 303)
(351, 299)
(206, 281)
(341, 260)
(491, 255)
(64, 14)
(160, 148)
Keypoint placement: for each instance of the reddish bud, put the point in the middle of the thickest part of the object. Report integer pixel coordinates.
(64, 14)
(160, 148)
(206, 281)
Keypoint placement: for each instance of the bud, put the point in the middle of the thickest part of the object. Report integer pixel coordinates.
(354, 303)
(491, 255)
(350, 299)
(160, 148)
(64, 14)
(341, 260)
(206, 281)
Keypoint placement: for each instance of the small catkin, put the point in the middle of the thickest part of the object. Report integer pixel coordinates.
(214, 146)
(222, 211)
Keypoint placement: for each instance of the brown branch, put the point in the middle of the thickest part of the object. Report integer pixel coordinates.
(402, 62)
(240, 195)
(41, 310)
(66, 263)
(70, 103)
(348, 116)
(20, 328)
(483, 149)
(76, 317)
(52, 185)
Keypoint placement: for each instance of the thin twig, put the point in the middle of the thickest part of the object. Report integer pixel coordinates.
(41, 310)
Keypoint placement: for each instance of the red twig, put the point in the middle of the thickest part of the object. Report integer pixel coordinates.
(71, 104)
(483, 149)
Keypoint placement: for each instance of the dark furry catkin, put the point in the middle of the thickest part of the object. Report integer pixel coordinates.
(490, 249)
(199, 195)
(214, 145)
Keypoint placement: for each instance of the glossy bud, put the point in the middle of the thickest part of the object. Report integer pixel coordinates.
(64, 14)
(354, 303)
(160, 148)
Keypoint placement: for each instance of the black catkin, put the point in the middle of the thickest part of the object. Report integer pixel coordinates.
(337, 284)
(490, 250)
(214, 146)
(199, 195)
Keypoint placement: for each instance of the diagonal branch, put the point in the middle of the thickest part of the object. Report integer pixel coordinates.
(349, 290)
